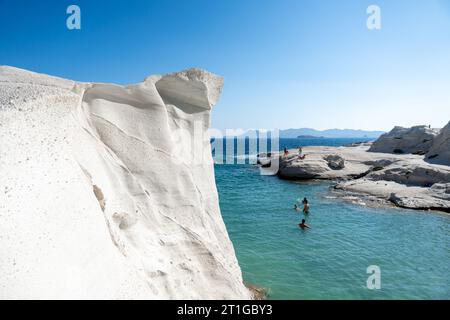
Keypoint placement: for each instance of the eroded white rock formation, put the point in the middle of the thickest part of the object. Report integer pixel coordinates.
(408, 167)
(103, 193)
(440, 149)
(416, 140)
(406, 180)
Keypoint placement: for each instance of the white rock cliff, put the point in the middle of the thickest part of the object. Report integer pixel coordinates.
(405, 180)
(108, 191)
(440, 149)
(416, 140)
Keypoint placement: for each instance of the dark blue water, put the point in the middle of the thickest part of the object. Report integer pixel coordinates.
(329, 261)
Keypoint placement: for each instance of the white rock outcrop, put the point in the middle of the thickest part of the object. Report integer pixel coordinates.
(440, 149)
(416, 140)
(335, 161)
(108, 191)
(405, 180)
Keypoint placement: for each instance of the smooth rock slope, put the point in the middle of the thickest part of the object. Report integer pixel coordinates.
(440, 149)
(416, 140)
(405, 180)
(108, 191)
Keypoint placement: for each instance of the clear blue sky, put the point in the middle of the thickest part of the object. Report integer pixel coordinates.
(286, 63)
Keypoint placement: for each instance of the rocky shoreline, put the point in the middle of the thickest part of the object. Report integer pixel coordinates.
(407, 167)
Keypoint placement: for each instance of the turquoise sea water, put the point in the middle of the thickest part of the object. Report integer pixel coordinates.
(329, 261)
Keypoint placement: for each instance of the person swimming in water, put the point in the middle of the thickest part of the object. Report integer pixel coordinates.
(305, 206)
(296, 208)
(303, 225)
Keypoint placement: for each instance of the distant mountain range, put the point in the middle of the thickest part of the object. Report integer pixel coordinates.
(330, 133)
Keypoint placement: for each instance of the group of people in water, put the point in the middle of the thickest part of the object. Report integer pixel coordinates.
(305, 206)
(305, 210)
(305, 201)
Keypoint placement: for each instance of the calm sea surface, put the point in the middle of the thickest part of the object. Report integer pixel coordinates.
(329, 261)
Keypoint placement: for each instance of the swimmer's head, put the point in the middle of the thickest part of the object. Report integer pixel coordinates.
(303, 220)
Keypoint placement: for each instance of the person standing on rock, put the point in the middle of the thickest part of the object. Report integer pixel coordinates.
(301, 156)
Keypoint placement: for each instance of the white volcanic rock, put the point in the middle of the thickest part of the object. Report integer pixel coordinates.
(405, 180)
(437, 197)
(108, 191)
(346, 163)
(190, 88)
(335, 161)
(416, 140)
(440, 149)
(290, 167)
(412, 173)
